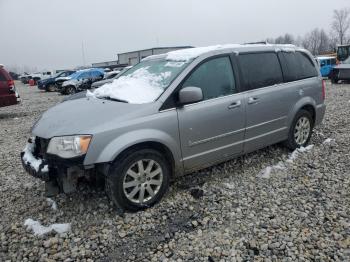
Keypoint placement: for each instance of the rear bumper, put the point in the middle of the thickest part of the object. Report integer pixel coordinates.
(9, 100)
(320, 112)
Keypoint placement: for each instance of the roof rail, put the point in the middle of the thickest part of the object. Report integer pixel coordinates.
(257, 43)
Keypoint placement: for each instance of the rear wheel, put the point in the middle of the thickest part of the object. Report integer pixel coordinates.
(300, 131)
(334, 80)
(138, 180)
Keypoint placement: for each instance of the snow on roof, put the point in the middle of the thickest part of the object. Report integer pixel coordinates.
(190, 53)
(185, 55)
(325, 57)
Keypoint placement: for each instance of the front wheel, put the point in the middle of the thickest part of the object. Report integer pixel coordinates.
(138, 180)
(51, 88)
(300, 131)
(70, 90)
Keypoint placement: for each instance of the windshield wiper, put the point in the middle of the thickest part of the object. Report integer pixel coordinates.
(114, 99)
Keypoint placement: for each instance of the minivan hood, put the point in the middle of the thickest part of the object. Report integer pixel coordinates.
(84, 116)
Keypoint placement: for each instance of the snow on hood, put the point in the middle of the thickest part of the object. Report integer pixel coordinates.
(69, 82)
(40, 230)
(65, 78)
(140, 87)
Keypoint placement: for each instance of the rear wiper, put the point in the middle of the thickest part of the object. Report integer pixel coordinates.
(114, 99)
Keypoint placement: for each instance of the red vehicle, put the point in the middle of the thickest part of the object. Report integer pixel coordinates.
(8, 93)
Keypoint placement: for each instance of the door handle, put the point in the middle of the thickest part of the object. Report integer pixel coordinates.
(253, 100)
(235, 104)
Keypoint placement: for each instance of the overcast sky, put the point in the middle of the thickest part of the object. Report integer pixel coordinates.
(49, 33)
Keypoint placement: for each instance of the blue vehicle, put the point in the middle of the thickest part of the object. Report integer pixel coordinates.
(81, 80)
(326, 64)
(49, 84)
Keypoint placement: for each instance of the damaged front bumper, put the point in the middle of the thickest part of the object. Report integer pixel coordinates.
(32, 164)
(60, 175)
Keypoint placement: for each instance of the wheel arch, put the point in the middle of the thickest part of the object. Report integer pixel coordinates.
(149, 138)
(308, 104)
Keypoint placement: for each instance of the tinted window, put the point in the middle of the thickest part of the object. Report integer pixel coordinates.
(307, 67)
(297, 66)
(214, 77)
(260, 70)
(2, 76)
(84, 75)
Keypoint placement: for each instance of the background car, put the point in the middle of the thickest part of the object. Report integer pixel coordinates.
(49, 84)
(81, 80)
(109, 77)
(8, 93)
(340, 72)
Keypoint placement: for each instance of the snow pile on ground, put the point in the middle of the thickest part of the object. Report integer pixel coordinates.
(30, 159)
(52, 203)
(266, 172)
(40, 230)
(328, 141)
(137, 88)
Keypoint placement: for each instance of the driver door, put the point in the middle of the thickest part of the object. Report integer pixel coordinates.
(212, 130)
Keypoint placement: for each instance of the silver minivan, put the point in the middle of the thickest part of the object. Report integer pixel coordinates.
(176, 113)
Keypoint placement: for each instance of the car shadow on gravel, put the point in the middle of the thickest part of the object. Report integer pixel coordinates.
(13, 115)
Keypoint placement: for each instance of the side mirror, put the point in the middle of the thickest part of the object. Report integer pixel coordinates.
(190, 95)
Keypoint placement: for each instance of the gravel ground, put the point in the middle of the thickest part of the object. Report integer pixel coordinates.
(225, 213)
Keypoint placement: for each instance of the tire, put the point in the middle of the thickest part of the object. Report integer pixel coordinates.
(70, 90)
(334, 81)
(51, 88)
(124, 184)
(301, 120)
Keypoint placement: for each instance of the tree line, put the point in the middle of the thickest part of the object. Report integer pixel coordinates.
(319, 41)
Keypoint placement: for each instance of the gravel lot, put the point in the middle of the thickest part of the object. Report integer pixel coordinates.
(225, 213)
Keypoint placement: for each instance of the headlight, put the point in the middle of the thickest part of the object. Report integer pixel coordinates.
(69, 146)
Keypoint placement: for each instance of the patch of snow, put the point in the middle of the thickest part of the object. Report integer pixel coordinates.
(281, 165)
(30, 159)
(297, 151)
(40, 230)
(174, 64)
(229, 186)
(138, 88)
(52, 203)
(266, 172)
(328, 141)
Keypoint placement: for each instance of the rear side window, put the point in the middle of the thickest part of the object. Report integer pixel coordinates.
(260, 70)
(306, 65)
(215, 78)
(2, 76)
(297, 66)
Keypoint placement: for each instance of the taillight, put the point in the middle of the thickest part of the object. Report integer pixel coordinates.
(323, 89)
(10, 83)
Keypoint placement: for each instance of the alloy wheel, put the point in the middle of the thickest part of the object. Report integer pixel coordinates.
(302, 130)
(143, 181)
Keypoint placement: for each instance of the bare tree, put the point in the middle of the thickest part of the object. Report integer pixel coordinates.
(317, 42)
(341, 25)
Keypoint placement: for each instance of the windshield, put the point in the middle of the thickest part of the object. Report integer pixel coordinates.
(143, 83)
(347, 61)
(343, 52)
